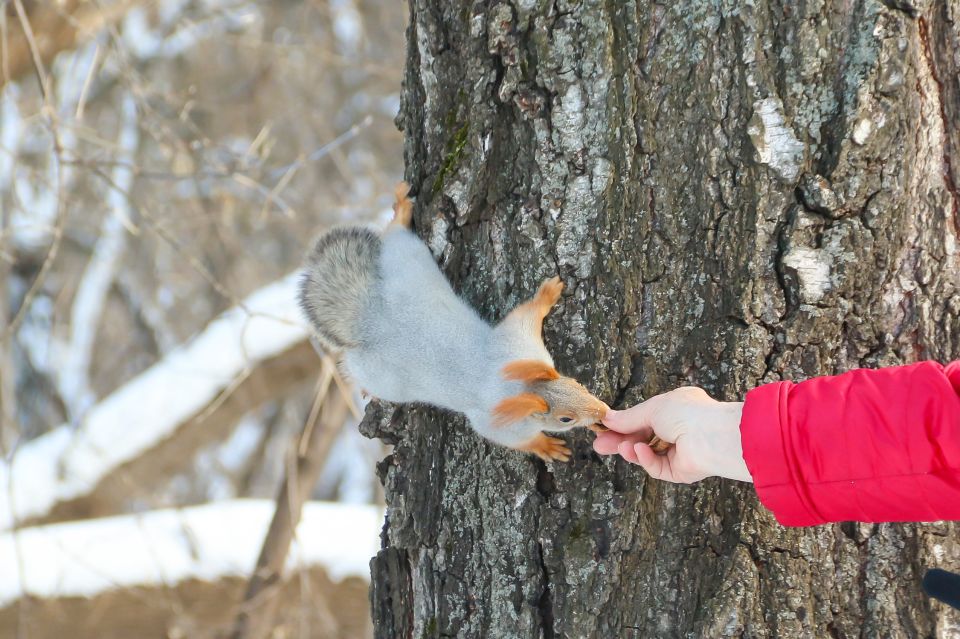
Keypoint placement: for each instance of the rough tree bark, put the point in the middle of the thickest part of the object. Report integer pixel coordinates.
(734, 193)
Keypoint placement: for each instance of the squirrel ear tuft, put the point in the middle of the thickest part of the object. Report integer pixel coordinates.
(530, 370)
(515, 408)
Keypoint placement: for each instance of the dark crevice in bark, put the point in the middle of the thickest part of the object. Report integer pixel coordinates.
(546, 485)
(909, 8)
(786, 284)
(391, 595)
(948, 125)
(545, 602)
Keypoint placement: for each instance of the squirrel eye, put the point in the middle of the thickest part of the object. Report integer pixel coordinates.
(566, 420)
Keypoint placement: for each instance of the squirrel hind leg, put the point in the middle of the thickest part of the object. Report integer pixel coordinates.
(402, 206)
(547, 448)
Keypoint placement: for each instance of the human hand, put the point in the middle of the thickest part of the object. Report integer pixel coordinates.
(705, 435)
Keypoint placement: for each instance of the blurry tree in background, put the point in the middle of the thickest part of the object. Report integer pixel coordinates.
(160, 161)
(734, 193)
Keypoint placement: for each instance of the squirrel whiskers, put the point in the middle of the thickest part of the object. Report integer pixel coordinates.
(405, 336)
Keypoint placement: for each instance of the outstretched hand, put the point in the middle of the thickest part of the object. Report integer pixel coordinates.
(705, 435)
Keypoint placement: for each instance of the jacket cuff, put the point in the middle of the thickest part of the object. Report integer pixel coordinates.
(767, 451)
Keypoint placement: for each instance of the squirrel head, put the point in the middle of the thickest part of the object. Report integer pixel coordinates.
(561, 403)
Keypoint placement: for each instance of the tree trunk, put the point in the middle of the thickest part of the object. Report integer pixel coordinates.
(733, 195)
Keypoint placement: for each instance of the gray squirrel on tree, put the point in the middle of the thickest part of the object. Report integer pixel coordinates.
(381, 301)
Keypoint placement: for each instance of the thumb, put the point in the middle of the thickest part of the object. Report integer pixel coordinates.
(633, 419)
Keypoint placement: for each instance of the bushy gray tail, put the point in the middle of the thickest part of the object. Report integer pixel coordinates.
(339, 275)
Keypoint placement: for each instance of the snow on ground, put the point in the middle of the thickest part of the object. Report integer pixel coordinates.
(164, 547)
(68, 462)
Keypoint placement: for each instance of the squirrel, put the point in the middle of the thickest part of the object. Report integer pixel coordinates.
(380, 300)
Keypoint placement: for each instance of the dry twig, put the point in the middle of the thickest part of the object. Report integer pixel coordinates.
(259, 603)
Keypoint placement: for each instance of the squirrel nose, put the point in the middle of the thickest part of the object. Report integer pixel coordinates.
(600, 411)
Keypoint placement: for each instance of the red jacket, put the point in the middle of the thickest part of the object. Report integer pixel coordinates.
(868, 445)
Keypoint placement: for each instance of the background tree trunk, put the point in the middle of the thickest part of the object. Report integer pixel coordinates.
(733, 195)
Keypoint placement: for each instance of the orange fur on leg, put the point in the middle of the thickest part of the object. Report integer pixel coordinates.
(402, 206)
(540, 304)
(515, 408)
(530, 314)
(547, 448)
(548, 294)
(529, 371)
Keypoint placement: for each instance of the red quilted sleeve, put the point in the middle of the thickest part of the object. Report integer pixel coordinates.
(868, 445)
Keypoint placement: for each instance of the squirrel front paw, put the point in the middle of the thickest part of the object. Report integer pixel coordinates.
(547, 448)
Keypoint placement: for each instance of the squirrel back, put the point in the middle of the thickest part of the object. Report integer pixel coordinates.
(406, 336)
(418, 341)
(339, 275)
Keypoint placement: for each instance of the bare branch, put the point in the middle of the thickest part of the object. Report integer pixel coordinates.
(150, 426)
(73, 376)
(64, 25)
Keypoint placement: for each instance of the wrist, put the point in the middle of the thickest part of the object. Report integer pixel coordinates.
(727, 454)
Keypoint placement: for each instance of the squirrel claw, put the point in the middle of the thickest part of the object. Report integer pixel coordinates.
(548, 448)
